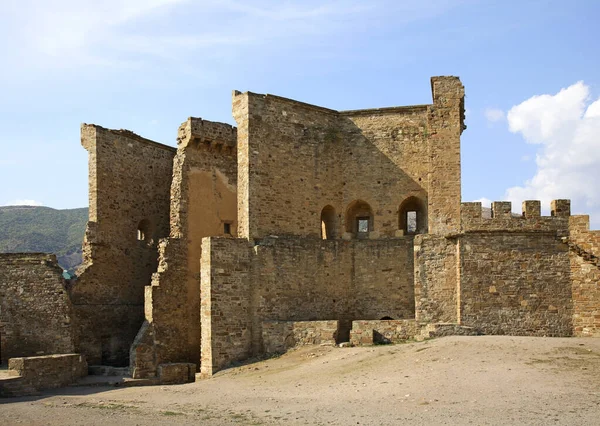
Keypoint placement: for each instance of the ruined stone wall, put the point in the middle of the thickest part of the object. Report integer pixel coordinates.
(35, 311)
(203, 203)
(295, 159)
(584, 255)
(129, 180)
(42, 372)
(297, 279)
(515, 283)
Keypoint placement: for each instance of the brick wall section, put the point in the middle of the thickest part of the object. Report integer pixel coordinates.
(42, 372)
(203, 198)
(296, 279)
(387, 331)
(279, 336)
(130, 179)
(585, 277)
(436, 279)
(515, 284)
(294, 159)
(35, 310)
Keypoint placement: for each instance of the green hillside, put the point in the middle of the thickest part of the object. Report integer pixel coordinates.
(43, 229)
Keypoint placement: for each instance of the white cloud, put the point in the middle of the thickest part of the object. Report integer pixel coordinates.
(567, 128)
(494, 115)
(24, 203)
(485, 202)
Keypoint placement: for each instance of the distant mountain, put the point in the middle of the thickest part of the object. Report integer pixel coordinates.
(43, 229)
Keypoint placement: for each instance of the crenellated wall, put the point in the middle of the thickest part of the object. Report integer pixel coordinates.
(503, 219)
(129, 181)
(506, 274)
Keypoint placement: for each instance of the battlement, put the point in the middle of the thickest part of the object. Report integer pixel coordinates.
(502, 218)
(199, 133)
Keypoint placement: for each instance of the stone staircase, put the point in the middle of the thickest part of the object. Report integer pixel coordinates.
(581, 252)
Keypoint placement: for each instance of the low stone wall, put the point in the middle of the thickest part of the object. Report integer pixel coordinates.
(32, 374)
(177, 373)
(382, 331)
(279, 336)
(35, 310)
(431, 331)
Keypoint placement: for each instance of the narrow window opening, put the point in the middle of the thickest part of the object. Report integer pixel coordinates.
(411, 222)
(144, 232)
(412, 218)
(362, 224)
(359, 219)
(227, 228)
(328, 223)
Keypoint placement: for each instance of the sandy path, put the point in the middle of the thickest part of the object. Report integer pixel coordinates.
(453, 380)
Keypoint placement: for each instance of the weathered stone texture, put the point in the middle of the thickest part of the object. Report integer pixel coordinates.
(226, 306)
(294, 159)
(130, 179)
(296, 279)
(436, 279)
(35, 310)
(516, 284)
(446, 124)
(32, 374)
(279, 336)
(176, 373)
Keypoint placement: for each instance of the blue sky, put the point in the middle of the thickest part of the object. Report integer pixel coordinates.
(530, 69)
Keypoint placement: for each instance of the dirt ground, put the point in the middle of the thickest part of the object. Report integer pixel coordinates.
(483, 380)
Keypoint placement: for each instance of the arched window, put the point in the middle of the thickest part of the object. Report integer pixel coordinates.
(359, 218)
(328, 223)
(144, 232)
(412, 216)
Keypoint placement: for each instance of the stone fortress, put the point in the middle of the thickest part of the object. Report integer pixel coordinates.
(302, 225)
